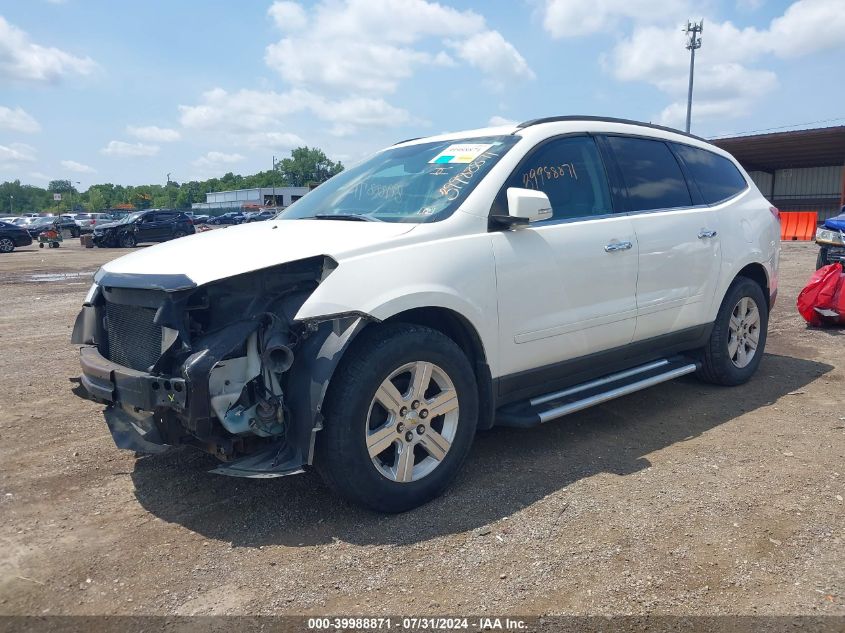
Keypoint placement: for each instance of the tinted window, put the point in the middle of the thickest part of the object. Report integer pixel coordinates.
(569, 171)
(717, 178)
(652, 175)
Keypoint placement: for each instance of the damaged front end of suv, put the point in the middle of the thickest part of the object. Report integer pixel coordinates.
(213, 366)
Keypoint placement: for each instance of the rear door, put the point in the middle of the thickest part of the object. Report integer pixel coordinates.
(677, 234)
(566, 285)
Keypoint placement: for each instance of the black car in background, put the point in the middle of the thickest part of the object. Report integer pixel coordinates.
(12, 236)
(154, 225)
(60, 223)
(233, 217)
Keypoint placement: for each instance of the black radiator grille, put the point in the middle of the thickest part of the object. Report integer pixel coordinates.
(134, 340)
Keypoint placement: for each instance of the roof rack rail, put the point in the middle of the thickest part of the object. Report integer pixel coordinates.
(603, 119)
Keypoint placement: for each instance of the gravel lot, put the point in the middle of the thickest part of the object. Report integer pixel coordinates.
(683, 499)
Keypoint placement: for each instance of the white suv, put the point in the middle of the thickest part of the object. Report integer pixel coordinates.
(503, 276)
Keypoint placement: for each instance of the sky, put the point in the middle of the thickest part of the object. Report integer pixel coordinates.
(99, 91)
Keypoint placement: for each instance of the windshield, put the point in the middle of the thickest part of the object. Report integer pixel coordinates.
(418, 183)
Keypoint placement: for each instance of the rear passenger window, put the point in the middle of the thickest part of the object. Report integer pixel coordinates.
(568, 170)
(652, 175)
(717, 178)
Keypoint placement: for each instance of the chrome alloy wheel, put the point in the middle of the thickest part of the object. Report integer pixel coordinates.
(6, 245)
(744, 332)
(412, 421)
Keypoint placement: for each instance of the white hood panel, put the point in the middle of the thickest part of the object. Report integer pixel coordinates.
(222, 253)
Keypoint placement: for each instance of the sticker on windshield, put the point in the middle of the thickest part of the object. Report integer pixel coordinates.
(461, 153)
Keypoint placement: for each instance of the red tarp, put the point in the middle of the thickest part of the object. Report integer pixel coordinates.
(822, 302)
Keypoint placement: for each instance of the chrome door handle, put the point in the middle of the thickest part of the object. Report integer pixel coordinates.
(703, 233)
(618, 246)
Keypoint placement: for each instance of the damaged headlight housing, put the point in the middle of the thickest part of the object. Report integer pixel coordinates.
(829, 236)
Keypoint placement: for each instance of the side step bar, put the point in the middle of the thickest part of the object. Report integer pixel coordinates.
(560, 403)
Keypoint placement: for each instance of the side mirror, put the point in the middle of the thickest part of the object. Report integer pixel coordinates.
(525, 206)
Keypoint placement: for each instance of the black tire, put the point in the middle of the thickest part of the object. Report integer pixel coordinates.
(41, 245)
(821, 259)
(126, 240)
(7, 245)
(717, 365)
(178, 234)
(343, 458)
(74, 233)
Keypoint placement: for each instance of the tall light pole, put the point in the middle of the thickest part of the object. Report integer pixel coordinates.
(274, 181)
(71, 193)
(692, 30)
(11, 204)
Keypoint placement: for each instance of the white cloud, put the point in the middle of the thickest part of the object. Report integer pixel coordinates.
(16, 153)
(288, 16)
(216, 159)
(255, 111)
(273, 140)
(24, 60)
(153, 133)
(124, 149)
(574, 18)
(18, 120)
(497, 120)
(726, 83)
(370, 46)
(80, 168)
(494, 56)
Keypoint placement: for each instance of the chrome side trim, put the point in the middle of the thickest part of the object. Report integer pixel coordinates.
(572, 407)
(551, 397)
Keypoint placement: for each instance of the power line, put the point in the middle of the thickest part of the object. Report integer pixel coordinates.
(782, 127)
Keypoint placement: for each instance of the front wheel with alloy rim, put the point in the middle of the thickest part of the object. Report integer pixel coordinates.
(127, 240)
(738, 339)
(6, 245)
(400, 417)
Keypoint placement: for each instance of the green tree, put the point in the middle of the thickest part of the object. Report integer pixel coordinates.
(96, 200)
(308, 165)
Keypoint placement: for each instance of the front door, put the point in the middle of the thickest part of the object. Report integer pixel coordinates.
(566, 286)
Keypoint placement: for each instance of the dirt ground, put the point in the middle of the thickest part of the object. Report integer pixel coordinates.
(683, 499)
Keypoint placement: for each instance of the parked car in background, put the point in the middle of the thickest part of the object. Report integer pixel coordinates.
(157, 225)
(505, 276)
(232, 217)
(196, 218)
(831, 240)
(12, 237)
(260, 216)
(61, 223)
(87, 221)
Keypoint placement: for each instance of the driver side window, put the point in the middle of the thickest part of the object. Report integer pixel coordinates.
(570, 172)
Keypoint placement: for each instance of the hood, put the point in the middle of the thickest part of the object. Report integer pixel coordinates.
(212, 255)
(110, 224)
(835, 224)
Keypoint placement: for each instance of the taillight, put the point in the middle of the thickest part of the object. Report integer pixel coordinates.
(775, 212)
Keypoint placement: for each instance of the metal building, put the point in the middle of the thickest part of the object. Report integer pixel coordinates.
(802, 170)
(251, 198)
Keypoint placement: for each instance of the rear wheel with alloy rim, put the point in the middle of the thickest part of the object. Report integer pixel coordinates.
(400, 416)
(178, 234)
(6, 245)
(738, 339)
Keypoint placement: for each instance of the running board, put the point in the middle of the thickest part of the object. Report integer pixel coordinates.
(560, 403)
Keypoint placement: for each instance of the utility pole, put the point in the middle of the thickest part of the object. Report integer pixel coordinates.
(274, 180)
(11, 204)
(692, 30)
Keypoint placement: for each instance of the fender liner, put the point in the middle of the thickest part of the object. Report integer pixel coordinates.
(317, 358)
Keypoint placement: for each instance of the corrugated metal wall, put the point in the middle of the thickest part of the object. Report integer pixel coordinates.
(809, 182)
(803, 189)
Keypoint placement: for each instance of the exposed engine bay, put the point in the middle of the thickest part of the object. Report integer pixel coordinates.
(224, 367)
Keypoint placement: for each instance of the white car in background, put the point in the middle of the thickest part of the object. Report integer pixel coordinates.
(503, 276)
(87, 222)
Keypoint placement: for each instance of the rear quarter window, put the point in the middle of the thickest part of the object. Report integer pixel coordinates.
(717, 177)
